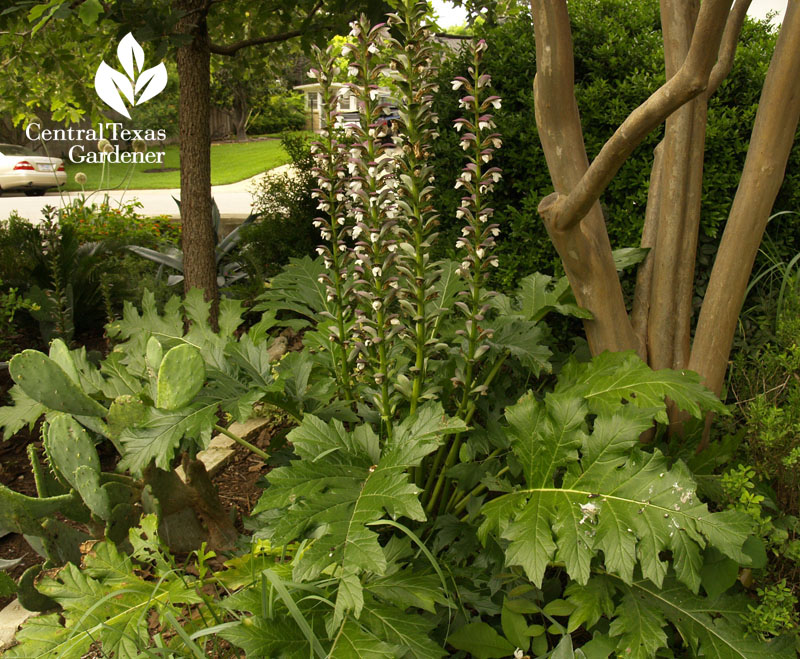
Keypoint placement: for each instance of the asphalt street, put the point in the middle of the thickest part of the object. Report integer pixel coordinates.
(234, 200)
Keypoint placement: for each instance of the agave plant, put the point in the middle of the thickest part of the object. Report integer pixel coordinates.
(228, 273)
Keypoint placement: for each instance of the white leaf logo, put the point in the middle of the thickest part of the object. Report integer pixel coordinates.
(112, 86)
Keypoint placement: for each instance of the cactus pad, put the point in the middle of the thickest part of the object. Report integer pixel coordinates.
(180, 376)
(43, 380)
(68, 447)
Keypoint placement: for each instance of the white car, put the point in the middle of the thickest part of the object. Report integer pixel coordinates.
(24, 171)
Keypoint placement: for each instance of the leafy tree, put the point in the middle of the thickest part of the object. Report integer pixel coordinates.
(196, 29)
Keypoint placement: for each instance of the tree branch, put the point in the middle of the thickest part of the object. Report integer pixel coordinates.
(232, 49)
(565, 211)
(447, 35)
(730, 39)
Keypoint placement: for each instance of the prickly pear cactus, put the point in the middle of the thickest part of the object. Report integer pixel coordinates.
(24, 514)
(181, 375)
(68, 446)
(127, 411)
(47, 383)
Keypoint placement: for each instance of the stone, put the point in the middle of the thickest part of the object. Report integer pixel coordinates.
(11, 618)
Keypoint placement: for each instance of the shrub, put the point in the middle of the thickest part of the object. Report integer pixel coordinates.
(278, 114)
(286, 210)
(72, 266)
(121, 225)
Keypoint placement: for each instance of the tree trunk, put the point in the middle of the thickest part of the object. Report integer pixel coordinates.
(198, 242)
(241, 112)
(699, 45)
(770, 144)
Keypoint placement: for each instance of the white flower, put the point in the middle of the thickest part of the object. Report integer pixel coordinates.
(340, 221)
(465, 144)
(457, 84)
(518, 654)
(497, 142)
(352, 70)
(394, 321)
(392, 248)
(496, 103)
(346, 50)
(312, 74)
(317, 224)
(376, 305)
(494, 263)
(373, 95)
(372, 48)
(342, 248)
(459, 214)
(459, 126)
(486, 157)
(495, 232)
(484, 125)
(496, 176)
(320, 250)
(480, 252)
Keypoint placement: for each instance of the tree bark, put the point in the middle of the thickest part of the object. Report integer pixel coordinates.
(584, 248)
(199, 241)
(771, 141)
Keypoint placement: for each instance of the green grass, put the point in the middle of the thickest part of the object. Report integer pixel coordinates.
(230, 162)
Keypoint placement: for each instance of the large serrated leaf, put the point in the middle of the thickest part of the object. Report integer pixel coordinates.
(341, 487)
(715, 626)
(159, 436)
(591, 494)
(24, 412)
(614, 378)
(106, 602)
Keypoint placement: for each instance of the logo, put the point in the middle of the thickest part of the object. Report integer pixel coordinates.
(112, 85)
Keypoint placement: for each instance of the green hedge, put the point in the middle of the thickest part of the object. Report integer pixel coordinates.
(618, 64)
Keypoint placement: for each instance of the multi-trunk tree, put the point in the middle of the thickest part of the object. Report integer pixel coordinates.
(699, 45)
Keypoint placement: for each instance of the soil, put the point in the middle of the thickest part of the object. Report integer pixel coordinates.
(159, 170)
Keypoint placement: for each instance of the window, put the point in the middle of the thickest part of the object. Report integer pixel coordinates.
(312, 101)
(344, 101)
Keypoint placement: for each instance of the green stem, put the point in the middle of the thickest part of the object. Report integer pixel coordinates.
(475, 491)
(242, 442)
(455, 446)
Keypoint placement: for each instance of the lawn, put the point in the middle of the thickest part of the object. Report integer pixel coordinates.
(230, 162)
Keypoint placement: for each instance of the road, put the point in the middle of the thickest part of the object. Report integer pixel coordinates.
(234, 200)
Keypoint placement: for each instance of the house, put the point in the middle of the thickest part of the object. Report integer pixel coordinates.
(347, 104)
